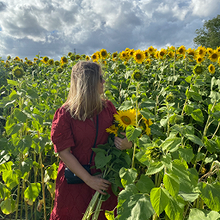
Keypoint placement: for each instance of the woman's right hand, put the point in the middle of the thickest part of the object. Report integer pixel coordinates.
(98, 183)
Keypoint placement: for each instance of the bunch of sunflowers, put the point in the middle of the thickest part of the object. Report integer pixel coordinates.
(129, 117)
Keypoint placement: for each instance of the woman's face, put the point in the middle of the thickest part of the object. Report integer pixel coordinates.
(101, 84)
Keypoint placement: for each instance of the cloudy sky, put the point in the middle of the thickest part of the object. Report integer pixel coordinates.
(53, 27)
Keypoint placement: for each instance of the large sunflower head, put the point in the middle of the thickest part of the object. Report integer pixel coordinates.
(125, 118)
(18, 72)
(17, 58)
(64, 60)
(214, 56)
(87, 58)
(95, 56)
(209, 50)
(115, 55)
(70, 53)
(162, 53)
(139, 56)
(59, 69)
(181, 50)
(137, 75)
(103, 53)
(51, 62)
(198, 69)
(151, 50)
(45, 59)
(78, 57)
(57, 63)
(124, 55)
(191, 54)
(201, 51)
(112, 130)
(170, 54)
(200, 59)
(73, 57)
(211, 68)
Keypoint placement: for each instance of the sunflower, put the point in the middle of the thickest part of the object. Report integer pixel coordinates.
(124, 55)
(18, 72)
(170, 54)
(112, 130)
(8, 57)
(95, 56)
(148, 61)
(73, 57)
(198, 69)
(172, 48)
(35, 59)
(191, 54)
(69, 54)
(139, 56)
(115, 55)
(78, 57)
(201, 51)
(125, 118)
(214, 56)
(87, 58)
(131, 53)
(137, 75)
(59, 70)
(17, 58)
(7, 65)
(57, 63)
(103, 53)
(63, 60)
(45, 59)
(29, 62)
(218, 50)
(162, 54)
(63, 65)
(209, 50)
(146, 53)
(151, 50)
(51, 62)
(199, 59)
(211, 69)
(170, 98)
(181, 50)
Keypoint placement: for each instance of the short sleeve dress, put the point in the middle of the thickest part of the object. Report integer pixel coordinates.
(71, 200)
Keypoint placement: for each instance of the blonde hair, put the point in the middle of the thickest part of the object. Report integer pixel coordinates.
(84, 100)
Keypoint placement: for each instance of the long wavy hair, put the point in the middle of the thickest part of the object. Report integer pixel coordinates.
(84, 100)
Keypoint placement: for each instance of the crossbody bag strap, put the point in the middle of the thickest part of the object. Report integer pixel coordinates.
(94, 145)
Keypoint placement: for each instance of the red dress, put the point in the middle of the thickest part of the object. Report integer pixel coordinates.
(71, 200)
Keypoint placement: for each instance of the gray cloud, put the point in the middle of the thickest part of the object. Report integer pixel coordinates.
(55, 28)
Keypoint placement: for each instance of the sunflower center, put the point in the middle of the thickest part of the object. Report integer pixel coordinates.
(214, 56)
(162, 54)
(138, 56)
(126, 120)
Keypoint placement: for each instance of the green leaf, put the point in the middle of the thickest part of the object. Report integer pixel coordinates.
(159, 198)
(215, 96)
(21, 116)
(194, 139)
(101, 160)
(133, 133)
(171, 144)
(52, 171)
(203, 215)
(32, 94)
(145, 184)
(127, 176)
(175, 208)
(12, 82)
(154, 167)
(11, 178)
(167, 161)
(32, 192)
(188, 109)
(4, 192)
(186, 154)
(197, 115)
(134, 207)
(25, 144)
(8, 206)
(210, 193)
(172, 184)
(51, 186)
(109, 215)
(13, 128)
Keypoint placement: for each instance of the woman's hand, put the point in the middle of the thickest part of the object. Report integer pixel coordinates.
(99, 184)
(122, 144)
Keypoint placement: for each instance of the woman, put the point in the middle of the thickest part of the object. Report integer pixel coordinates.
(73, 133)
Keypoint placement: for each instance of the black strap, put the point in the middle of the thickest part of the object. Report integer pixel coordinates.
(94, 145)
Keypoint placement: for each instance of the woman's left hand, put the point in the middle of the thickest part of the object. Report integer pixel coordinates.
(122, 144)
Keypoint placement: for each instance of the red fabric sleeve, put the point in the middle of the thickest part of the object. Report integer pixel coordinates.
(61, 132)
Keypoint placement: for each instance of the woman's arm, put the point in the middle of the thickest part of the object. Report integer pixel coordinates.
(95, 182)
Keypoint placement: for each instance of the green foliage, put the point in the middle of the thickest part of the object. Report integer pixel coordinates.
(208, 35)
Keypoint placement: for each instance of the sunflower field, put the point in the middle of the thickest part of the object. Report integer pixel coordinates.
(168, 104)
